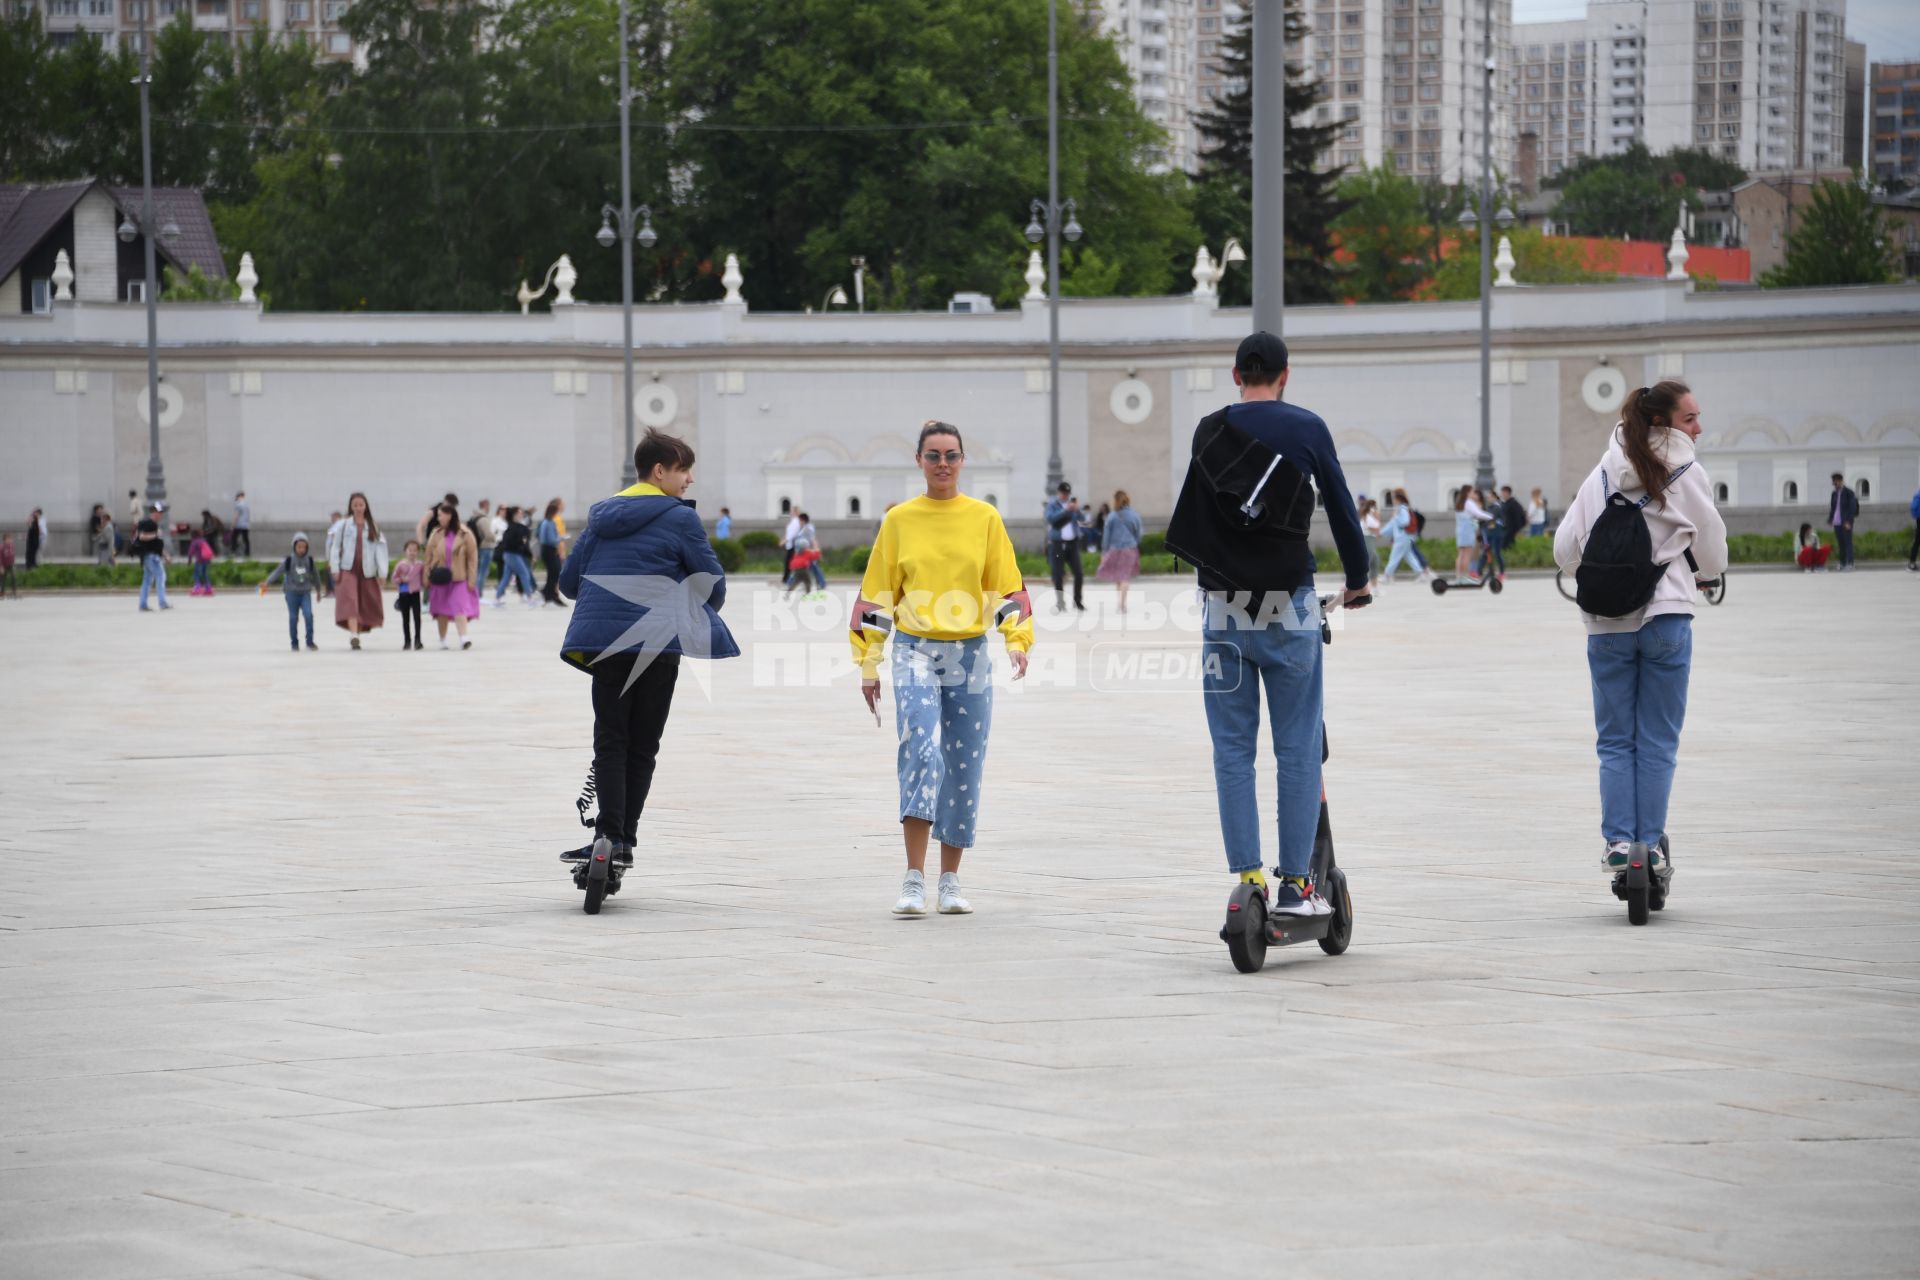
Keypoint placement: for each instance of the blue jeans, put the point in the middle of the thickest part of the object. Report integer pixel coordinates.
(1639, 704)
(486, 563)
(1284, 657)
(1403, 549)
(514, 566)
(153, 577)
(203, 574)
(943, 709)
(299, 605)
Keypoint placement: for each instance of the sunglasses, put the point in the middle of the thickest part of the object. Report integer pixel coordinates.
(950, 456)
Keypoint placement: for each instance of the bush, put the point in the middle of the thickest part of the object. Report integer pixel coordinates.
(1152, 544)
(857, 561)
(731, 554)
(759, 540)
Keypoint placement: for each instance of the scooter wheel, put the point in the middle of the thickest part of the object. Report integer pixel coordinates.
(1440, 586)
(599, 867)
(1638, 898)
(1245, 932)
(1340, 932)
(1496, 586)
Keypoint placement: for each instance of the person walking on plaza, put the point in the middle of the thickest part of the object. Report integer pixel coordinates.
(432, 515)
(136, 510)
(1120, 536)
(486, 535)
(149, 547)
(1063, 545)
(646, 533)
(358, 555)
(1913, 548)
(1638, 662)
(1841, 514)
(409, 578)
(9, 580)
(201, 555)
(242, 525)
(549, 536)
(101, 536)
(515, 546)
(1261, 635)
(451, 562)
(1536, 514)
(36, 537)
(1370, 526)
(1404, 548)
(941, 572)
(1513, 519)
(723, 527)
(787, 551)
(299, 577)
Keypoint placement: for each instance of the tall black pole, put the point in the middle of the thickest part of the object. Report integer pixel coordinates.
(1269, 75)
(1055, 472)
(156, 476)
(1483, 469)
(628, 474)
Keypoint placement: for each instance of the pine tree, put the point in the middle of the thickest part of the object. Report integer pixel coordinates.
(1224, 186)
(1842, 238)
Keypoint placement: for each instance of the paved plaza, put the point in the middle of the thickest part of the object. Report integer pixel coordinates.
(293, 984)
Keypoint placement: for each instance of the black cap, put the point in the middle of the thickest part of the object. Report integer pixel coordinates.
(1260, 353)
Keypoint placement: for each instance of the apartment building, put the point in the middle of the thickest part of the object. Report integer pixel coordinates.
(1894, 127)
(1404, 79)
(1582, 88)
(125, 23)
(1155, 39)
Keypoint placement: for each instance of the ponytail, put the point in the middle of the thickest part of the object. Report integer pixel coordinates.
(1646, 410)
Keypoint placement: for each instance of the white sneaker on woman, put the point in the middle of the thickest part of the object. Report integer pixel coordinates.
(951, 903)
(913, 896)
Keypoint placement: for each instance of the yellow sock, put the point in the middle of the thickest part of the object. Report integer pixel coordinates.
(1255, 876)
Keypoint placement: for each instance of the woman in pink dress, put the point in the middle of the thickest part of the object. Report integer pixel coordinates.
(453, 562)
(358, 556)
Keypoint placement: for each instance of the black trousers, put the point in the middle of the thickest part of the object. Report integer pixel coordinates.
(1913, 548)
(1062, 556)
(1843, 537)
(407, 605)
(550, 557)
(243, 542)
(627, 724)
(33, 544)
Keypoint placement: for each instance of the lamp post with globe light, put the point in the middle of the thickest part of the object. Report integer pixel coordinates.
(1483, 466)
(128, 229)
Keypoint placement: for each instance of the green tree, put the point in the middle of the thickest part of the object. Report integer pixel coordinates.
(1387, 232)
(1223, 194)
(1616, 202)
(1538, 259)
(913, 133)
(1842, 238)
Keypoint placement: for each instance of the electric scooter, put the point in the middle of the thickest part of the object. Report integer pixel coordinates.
(596, 867)
(1641, 886)
(1488, 579)
(1250, 929)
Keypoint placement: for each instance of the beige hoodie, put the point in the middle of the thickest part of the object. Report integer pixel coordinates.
(1687, 519)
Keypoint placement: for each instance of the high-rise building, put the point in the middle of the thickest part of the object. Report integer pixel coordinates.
(1760, 82)
(1854, 154)
(1155, 40)
(1894, 128)
(1582, 87)
(1404, 79)
(124, 23)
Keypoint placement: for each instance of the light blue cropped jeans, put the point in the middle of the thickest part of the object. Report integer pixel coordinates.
(943, 709)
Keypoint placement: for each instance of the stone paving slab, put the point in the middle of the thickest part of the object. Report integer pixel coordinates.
(291, 983)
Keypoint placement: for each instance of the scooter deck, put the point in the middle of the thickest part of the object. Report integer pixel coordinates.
(1284, 931)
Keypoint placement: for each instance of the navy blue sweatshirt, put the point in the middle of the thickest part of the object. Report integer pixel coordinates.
(1302, 438)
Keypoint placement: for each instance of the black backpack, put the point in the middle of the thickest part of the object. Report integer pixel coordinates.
(1240, 505)
(1617, 573)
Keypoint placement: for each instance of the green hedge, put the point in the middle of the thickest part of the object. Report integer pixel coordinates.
(226, 573)
(759, 540)
(730, 552)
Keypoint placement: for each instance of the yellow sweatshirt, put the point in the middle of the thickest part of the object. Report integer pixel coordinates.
(941, 569)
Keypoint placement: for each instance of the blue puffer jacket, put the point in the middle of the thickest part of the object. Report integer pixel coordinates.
(645, 559)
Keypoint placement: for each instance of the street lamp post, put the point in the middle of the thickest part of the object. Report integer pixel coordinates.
(626, 235)
(156, 475)
(1045, 221)
(1483, 465)
(1269, 105)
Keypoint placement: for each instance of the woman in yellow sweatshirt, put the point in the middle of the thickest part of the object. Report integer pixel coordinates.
(942, 570)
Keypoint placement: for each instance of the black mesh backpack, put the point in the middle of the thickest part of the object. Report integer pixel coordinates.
(1617, 573)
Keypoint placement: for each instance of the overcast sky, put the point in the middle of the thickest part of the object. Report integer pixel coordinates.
(1890, 28)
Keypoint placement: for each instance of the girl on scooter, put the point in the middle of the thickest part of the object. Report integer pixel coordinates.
(942, 571)
(1639, 663)
(1468, 515)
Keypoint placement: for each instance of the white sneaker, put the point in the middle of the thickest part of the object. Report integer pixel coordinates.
(1614, 858)
(951, 903)
(913, 896)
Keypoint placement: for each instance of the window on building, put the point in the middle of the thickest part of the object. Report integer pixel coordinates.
(1729, 130)
(1720, 491)
(1727, 109)
(1350, 44)
(250, 10)
(1403, 93)
(786, 506)
(1351, 21)
(136, 291)
(41, 297)
(299, 10)
(1536, 72)
(1429, 93)
(1790, 492)
(1703, 132)
(1429, 115)
(1349, 88)
(341, 42)
(1350, 66)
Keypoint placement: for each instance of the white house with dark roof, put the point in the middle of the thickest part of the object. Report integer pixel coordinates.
(39, 220)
